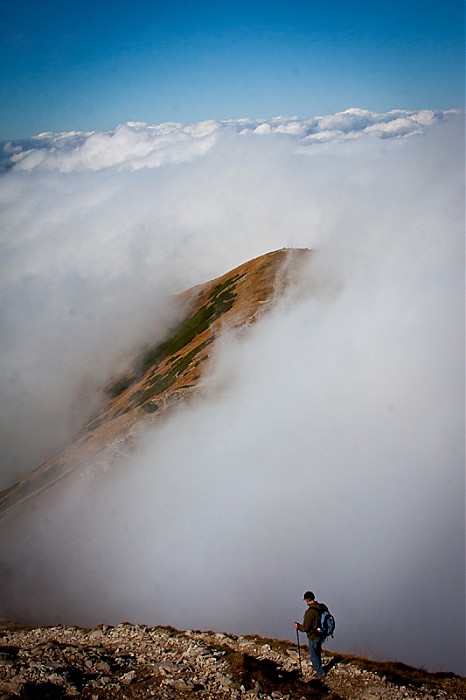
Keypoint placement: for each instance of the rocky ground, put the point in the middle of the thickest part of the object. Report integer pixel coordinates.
(132, 661)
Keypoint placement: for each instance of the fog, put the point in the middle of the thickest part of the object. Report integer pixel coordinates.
(327, 448)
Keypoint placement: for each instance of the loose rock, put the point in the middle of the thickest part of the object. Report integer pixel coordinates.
(132, 661)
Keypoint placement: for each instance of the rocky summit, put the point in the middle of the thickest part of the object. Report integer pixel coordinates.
(134, 661)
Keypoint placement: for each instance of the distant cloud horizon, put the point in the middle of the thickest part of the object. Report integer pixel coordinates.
(97, 65)
(135, 144)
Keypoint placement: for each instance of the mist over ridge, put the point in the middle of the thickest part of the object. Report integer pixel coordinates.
(352, 387)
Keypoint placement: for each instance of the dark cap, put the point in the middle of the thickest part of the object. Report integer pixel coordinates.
(309, 595)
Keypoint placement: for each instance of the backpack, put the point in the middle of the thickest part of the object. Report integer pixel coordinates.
(326, 623)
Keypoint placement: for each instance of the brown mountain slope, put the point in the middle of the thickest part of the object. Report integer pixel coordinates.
(163, 374)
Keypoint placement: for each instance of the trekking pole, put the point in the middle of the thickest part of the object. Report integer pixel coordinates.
(299, 652)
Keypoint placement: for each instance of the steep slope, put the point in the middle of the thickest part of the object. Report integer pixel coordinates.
(160, 376)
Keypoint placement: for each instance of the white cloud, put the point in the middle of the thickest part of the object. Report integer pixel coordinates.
(350, 120)
(350, 392)
(139, 145)
(402, 126)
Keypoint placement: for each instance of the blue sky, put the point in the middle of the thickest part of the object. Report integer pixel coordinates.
(94, 65)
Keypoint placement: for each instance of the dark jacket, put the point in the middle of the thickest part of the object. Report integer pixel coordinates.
(311, 620)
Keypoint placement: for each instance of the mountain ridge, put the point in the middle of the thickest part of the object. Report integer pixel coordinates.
(159, 376)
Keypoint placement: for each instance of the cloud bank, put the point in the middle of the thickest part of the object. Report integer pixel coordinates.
(138, 145)
(327, 449)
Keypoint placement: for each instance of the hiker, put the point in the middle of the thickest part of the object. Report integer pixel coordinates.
(311, 627)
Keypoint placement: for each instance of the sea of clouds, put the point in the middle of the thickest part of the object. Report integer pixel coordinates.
(139, 145)
(327, 449)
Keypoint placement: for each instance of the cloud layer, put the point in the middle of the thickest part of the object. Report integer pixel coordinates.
(138, 145)
(327, 450)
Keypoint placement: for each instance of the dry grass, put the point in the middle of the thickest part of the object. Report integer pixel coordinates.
(401, 674)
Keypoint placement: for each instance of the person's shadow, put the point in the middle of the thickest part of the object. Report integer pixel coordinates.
(333, 662)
